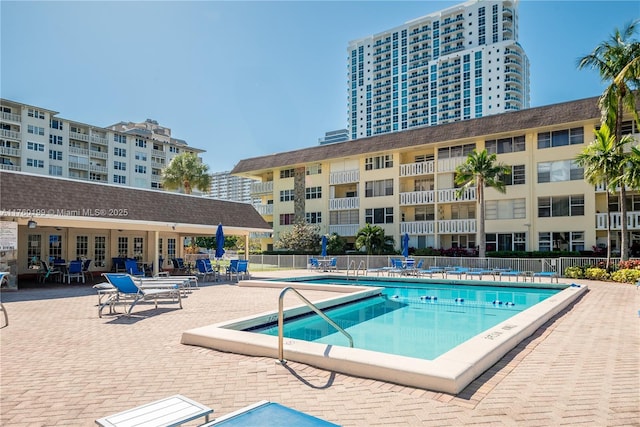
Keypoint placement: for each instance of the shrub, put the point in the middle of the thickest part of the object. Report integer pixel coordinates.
(632, 264)
(575, 272)
(626, 275)
(596, 273)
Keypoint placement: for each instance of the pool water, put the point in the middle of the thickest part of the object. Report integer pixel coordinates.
(415, 320)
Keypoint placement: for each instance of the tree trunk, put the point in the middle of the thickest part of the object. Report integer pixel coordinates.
(624, 247)
(608, 229)
(481, 237)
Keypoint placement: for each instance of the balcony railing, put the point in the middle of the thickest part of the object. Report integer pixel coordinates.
(344, 177)
(450, 164)
(99, 140)
(98, 168)
(158, 153)
(454, 226)
(264, 209)
(80, 151)
(414, 169)
(344, 203)
(11, 117)
(76, 165)
(633, 221)
(344, 229)
(418, 227)
(262, 187)
(98, 154)
(449, 195)
(10, 168)
(5, 133)
(9, 151)
(79, 136)
(417, 198)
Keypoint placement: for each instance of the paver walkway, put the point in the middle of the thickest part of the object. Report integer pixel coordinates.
(61, 365)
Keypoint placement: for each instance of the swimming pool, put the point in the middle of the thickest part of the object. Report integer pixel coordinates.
(449, 372)
(412, 319)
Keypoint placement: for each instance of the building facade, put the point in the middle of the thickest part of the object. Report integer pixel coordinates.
(36, 140)
(459, 63)
(330, 137)
(228, 187)
(404, 183)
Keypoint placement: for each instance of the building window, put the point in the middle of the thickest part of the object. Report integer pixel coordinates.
(99, 251)
(35, 163)
(34, 146)
(35, 113)
(378, 162)
(36, 130)
(313, 217)
(55, 170)
(119, 166)
(505, 145)
(119, 179)
(314, 169)
(174, 150)
(506, 242)
(313, 193)
(505, 209)
(561, 170)
(286, 196)
(456, 151)
(424, 213)
(55, 155)
(141, 143)
(120, 152)
(286, 219)
(378, 216)
(287, 173)
(120, 138)
(561, 206)
(55, 124)
(34, 250)
(140, 156)
(55, 246)
(171, 248)
(517, 176)
(55, 139)
(345, 217)
(559, 138)
(561, 241)
(383, 187)
(123, 246)
(82, 247)
(140, 169)
(138, 248)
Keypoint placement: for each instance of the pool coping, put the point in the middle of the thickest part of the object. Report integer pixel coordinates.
(451, 372)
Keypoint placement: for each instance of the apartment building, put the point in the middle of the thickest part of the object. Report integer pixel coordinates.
(459, 63)
(225, 186)
(404, 183)
(330, 137)
(35, 140)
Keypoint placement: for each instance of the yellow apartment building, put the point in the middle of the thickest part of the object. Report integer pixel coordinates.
(404, 183)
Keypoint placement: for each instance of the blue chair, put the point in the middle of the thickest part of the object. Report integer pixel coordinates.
(126, 289)
(238, 267)
(314, 264)
(74, 271)
(85, 269)
(333, 264)
(178, 265)
(132, 268)
(205, 270)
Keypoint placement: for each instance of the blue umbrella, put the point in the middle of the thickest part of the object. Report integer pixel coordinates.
(219, 242)
(405, 245)
(324, 246)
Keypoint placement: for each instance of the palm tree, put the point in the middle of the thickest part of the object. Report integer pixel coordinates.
(186, 171)
(373, 238)
(616, 60)
(481, 170)
(601, 161)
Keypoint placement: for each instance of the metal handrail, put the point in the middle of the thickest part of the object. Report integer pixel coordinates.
(352, 262)
(312, 307)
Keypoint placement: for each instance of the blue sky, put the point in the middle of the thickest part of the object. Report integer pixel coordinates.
(243, 79)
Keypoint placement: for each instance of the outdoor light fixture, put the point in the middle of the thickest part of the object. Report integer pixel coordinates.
(32, 224)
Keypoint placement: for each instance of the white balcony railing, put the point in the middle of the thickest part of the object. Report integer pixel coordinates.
(11, 117)
(98, 154)
(418, 227)
(344, 203)
(420, 168)
(158, 153)
(450, 164)
(449, 195)
(99, 169)
(344, 229)
(264, 209)
(79, 136)
(80, 151)
(454, 226)
(9, 151)
(156, 178)
(417, 198)
(10, 168)
(633, 221)
(262, 187)
(5, 133)
(99, 140)
(76, 165)
(344, 177)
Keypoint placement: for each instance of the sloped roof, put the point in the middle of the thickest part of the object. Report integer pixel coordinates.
(67, 198)
(539, 117)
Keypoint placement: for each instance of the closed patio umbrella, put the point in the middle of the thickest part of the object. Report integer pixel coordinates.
(405, 245)
(324, 246)
(219, 242)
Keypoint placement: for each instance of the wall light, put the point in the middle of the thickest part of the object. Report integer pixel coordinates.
(32, 224)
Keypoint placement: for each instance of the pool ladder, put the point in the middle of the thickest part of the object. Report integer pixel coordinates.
(312, 307)
(356, 271)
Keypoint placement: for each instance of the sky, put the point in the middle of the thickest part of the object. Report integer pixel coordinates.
(243, 79)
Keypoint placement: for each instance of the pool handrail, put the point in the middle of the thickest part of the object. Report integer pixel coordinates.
(312, 307)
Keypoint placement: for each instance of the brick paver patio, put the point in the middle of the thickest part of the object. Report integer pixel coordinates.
(61, 365)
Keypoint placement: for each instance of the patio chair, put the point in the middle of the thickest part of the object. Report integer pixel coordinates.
(127, 289)
(74, 271)
(85, 269)
(552, 275)
(314, 264)
(132, 268)
(333, 264)
(47, 272)
(205, 270)
(511, 273)
(178, 265)
(238, 267)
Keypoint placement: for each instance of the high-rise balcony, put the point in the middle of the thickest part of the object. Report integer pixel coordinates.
(417, 198)
(79, 136)
(9, 167)
(98, 168)
(265, 187)
(264, 209)
(10, 134)
(98, 154)
(81, 166)
(450, 195)
(10, 117)
(344, 203)
(158, 153)
(9, 151)
(344, 177)
(418, 227)
(456, 226)
(633, 220)
(98, 139)
(418, 168)
(344, 229)
(79, 151)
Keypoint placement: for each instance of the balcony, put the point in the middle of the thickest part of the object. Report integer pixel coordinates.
(265, 187)
(81, 166)
(158, 153)
(9, 167)
(79, 151)
(344, 177)
(344, 229)
(157, 165)
(264, 209)
(98, 168)
(449, 195)
(418, 227)
(345, 203)
(98, 154)
(10, 134)
(79, 136)
(633, 221)
(156, 178)
(455, 226)
(417, 198)
(11, 117)
(98, 139)
(450, 164)
(8, 151)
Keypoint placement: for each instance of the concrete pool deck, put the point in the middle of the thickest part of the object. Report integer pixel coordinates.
(62, 365)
